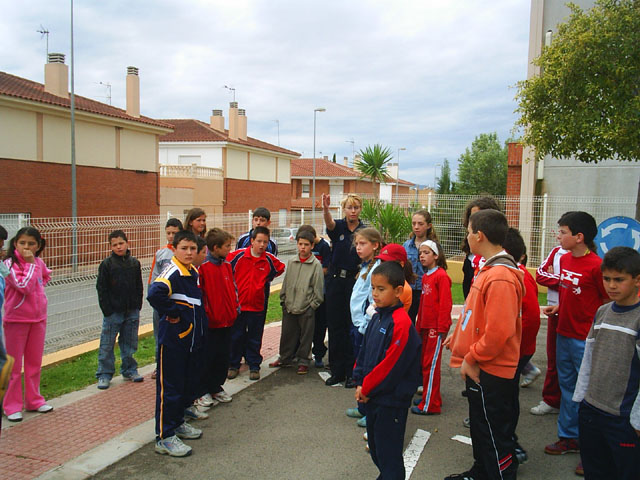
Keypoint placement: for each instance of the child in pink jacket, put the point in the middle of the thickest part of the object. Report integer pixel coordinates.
(25, 321)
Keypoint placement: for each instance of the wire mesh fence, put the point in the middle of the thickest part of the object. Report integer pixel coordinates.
(75, 248)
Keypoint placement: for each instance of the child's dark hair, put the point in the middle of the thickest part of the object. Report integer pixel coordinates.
(262, 212)
(184, 235)
(217, 237)
(28, 232)
(485, 202)
(191, 216)
(309, 228)
(201, 243)
(492, 223)
(3, 233)
(117, 234)
(514, 244)
(306, 234)
(581, 222)
(441, 261)
(431, 233)
(174, 222)
(392, 271)
(622, 259)
(257, 230)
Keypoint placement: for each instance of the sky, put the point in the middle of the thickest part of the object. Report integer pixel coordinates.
(424, 75)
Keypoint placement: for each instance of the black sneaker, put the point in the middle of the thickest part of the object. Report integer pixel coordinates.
(468, 475)
(333, 380)
(349, 383)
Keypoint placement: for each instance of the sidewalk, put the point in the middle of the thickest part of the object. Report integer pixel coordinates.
(91, 429)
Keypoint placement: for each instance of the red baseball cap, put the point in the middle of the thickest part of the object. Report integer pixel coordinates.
(393, 252)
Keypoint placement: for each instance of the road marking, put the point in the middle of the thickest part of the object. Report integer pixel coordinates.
(414, 450)
(461, 439)
(325, 375)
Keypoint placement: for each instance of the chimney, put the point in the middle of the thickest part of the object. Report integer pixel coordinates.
(325, 157)
(233, 120)
(217, 120)
(56, 76)
(345, 161)
(133, 92)
(242, 124)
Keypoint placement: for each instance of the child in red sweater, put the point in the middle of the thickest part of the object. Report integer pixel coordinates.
(220, 297)
(433, 323)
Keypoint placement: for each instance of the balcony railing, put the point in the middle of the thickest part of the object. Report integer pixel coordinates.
(191, 171)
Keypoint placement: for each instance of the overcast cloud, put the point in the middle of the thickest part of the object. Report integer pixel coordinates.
(425, 75)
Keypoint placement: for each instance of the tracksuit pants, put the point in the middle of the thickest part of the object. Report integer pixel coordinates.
(246, 339)
(337, 297)
(431, 361)
(176, 387)
(609, 446)
(551, 388)
(490, 412)
(215, 360)
(24, 341)
(385, 433)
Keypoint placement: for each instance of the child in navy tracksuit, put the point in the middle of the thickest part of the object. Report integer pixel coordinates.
(176, 296)
(387, 371)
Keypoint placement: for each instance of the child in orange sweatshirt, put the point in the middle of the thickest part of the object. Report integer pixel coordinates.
(486, 347)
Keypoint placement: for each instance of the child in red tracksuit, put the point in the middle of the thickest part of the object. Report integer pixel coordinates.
(220, 297)
(253, 267)
(433, 323)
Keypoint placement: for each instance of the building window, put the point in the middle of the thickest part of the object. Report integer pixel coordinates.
(305, 190)
(189, 160)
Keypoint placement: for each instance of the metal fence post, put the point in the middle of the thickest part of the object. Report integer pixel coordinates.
(250, 219)
(543, 234)
(429, 202)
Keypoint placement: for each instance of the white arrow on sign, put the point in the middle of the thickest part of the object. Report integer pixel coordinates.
(614, 226)
(635, 234)
(603, 247)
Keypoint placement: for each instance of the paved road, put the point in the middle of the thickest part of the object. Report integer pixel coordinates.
(288, 426)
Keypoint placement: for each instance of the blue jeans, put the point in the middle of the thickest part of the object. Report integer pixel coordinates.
(569, 352)
(125, 327)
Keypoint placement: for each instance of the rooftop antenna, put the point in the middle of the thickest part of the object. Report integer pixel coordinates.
(231, 89)
(43, 31)
(108, 87)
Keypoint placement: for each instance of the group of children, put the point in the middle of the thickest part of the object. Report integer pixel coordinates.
(210, 306)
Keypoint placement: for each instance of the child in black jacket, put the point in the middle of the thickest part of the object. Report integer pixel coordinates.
(387, 371)
(120, 289)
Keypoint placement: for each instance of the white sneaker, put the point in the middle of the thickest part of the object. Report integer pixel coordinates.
(530, 377)
(420, 390)
(187, 431)
(172, 446)
(194, 413)
(543, 408)
(44, 408)
(366, 437)
(204, 401)
(222, 396)
(15, 417)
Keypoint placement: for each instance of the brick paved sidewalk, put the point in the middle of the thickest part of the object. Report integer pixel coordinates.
(42, 442)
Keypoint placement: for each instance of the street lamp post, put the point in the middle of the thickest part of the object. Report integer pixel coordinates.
(398, 173)
(313, 200)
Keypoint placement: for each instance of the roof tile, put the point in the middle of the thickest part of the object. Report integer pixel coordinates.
(303, 167)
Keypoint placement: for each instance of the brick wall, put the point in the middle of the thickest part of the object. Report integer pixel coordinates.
(44, 190)
(244, 195)
(514, 175)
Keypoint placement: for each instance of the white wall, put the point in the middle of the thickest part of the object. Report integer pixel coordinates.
(210, 154)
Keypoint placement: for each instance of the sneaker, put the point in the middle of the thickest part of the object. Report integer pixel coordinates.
(222, 397)
(232, 373)
(353, 413)
(521, 455)
(15, 417)
(362, 422)
(134, 377)
(103, 383)
(302, 370)
(468, 475)
(365, 436)
(562, 446)
(416, 401)
(194, 413)
(154, 374)
(349, 383)
(254, 375)
(172, 446)
(5, 374)
(579, 469)
(205, 401)
(543, 408)
(419, 411)
(318, 363)
(46, 408)
(466, 422)
(333, 380)
(366, 447)
(419, 390)
(187, 431)
(530, 377)
(279, 363)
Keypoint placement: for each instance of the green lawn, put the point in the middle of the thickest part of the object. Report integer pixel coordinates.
(79, 372)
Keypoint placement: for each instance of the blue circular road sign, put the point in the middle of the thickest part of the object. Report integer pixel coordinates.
(617, 232)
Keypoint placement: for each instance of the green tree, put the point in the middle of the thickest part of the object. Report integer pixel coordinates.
(444, 182)
(586, 101)
(483, 169)
(372, 164)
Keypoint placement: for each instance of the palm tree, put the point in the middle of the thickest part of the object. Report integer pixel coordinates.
(372, 164)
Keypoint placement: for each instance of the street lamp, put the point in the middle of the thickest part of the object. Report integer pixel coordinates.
(398, 172)
(313, 200)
